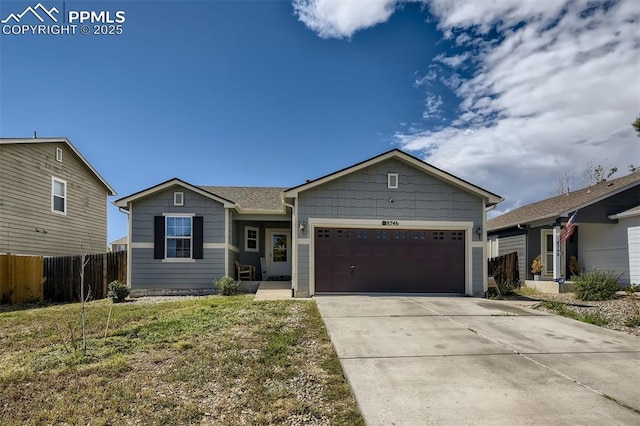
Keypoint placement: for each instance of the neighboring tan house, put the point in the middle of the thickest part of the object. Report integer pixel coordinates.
(606, 234)
(52, 201)
(392, 223)
(120, 244)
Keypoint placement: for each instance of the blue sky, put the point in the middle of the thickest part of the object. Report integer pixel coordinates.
(510, 97)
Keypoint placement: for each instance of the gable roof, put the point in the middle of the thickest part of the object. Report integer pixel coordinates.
(10, 141)
(562, 205)
(251, 198)
(490, 197)
(244, 198)
(124, 202)
(121, 240)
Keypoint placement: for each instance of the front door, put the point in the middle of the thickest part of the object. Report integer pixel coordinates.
(278, 252)
(547, 254)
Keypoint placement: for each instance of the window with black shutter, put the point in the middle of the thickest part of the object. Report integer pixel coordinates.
(178, 237)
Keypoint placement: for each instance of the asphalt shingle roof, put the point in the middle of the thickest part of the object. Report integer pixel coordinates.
(250, 197)
(555, 206)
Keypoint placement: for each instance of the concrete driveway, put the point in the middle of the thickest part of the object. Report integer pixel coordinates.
(459, 361)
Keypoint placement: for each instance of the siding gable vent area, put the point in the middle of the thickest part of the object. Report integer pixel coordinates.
(392, 180)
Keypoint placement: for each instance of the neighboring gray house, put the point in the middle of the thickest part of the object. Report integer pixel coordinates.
(52, 201)
(606, 235)
(392, 223)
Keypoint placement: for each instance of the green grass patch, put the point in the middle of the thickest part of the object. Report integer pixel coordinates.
(220, 360)
(633, 321)
(562, 309)
(526, 291)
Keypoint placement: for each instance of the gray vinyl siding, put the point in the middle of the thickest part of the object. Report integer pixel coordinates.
(600, 211)
(233, 256)
(517, 243)
(364, 195)
(251, 257)
(148, 273)
(604, 246)
(477, 272)
(26, 170)
(303, 271)
(534, 248)
(145, 209)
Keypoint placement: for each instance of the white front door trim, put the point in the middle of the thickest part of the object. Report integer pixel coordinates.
(280, 268)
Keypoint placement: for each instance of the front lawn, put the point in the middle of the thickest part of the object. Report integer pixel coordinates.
(210, 360)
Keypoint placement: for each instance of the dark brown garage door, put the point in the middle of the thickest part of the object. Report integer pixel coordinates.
(389, 260)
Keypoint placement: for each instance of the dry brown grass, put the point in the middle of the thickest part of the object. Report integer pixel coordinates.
(210, 360)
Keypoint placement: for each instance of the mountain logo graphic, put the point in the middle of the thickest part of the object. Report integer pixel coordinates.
(34, 11)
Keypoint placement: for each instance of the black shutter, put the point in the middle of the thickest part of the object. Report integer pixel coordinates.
(158, 237)
(198, 240)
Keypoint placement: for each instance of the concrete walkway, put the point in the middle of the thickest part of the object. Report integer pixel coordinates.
(467, 361)
(273, 290)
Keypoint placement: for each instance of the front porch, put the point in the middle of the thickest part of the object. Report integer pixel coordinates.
(274, 290)
(550, 286)
(263, 244)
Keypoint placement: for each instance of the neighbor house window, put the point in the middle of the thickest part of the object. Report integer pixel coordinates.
(178, 198)
(178, 236)
(58, 196)
(59, 154)
(392, 180)
(250, 238)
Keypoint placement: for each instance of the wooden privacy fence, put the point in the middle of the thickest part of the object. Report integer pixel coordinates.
(505, 269)
(62, 275)
(20, 278)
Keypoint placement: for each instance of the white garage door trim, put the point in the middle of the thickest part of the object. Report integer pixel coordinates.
(404, 224)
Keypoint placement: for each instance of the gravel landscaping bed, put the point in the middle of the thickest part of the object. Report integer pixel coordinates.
(616, 312)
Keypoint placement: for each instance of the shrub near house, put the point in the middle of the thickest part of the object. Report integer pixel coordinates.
(597, 285)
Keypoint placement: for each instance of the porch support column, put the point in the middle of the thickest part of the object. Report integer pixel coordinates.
(556, 252)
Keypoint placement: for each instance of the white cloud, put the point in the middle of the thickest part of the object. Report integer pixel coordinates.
(342, 18)
(558, 89)
(453, 61)
(557, 92)
(432, 106)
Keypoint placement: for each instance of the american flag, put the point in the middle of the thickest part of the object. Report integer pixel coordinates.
(568, 229)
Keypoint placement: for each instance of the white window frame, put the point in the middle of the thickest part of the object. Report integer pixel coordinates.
(167, 237)
(247, 239)
(392, 180)
(178, 198)
(59, 155)
(53, 195)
